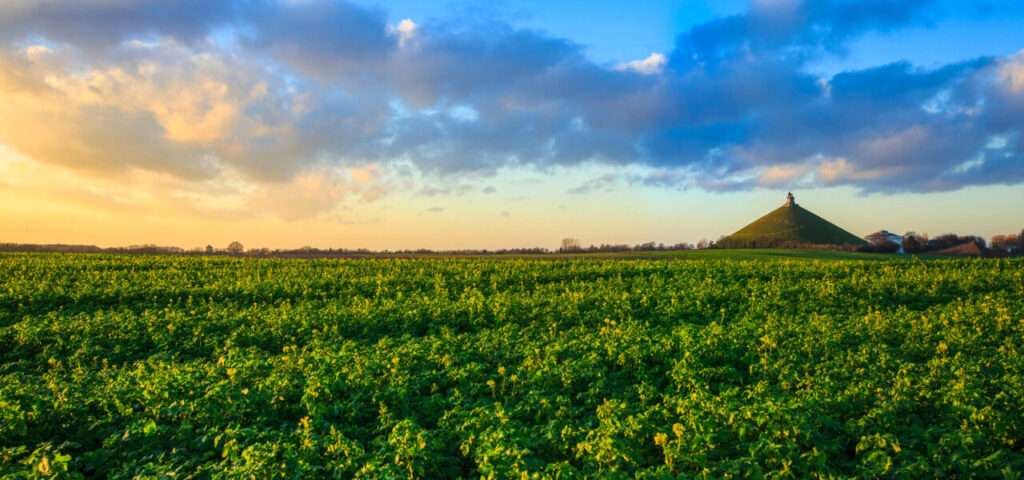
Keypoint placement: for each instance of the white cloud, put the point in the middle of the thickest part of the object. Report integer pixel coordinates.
(405, 30)
(779, 174)
(1012, 72)
(655, 63)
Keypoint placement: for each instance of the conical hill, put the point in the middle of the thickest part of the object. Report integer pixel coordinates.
(789, 223)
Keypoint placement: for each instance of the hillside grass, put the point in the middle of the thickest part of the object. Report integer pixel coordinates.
(789, 224)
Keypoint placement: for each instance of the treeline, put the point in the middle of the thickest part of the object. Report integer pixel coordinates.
(913, 242)
(642, 247)
(603, 248)
(999, 245)
(236, 248)
(62, 248)
(500, 251)
(418, 251)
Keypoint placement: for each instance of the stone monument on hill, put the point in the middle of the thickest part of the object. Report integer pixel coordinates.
(790, 200)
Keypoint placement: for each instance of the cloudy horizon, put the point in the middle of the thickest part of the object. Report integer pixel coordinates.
(460, 125)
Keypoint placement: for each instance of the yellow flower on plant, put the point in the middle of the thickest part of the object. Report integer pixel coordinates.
(661, 439)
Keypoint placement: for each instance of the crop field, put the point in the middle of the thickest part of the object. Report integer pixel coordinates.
(192, 367)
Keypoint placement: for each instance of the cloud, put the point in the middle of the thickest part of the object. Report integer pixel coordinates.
(64, 119)
(99, 24)
(405, 30)
(324, 39)
(275, 89)
(457, 190)
(489, 190)
(315, 193)
(435, 210)
(603, 183)
(795, 28)
(655, 63)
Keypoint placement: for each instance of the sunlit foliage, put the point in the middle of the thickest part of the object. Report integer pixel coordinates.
(150, 367)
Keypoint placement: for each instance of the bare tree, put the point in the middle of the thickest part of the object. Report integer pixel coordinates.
(235, 248)
(570, 244)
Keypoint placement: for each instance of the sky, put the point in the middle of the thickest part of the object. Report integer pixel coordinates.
(457, 125)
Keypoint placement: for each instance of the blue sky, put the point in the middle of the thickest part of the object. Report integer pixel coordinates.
(482, 124)
(609, 32)
(613, 34)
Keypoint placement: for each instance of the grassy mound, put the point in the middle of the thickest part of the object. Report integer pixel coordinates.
(789, 224)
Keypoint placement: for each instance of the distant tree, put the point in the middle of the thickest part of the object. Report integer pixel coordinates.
(1001, 243)
(944, 241)
(645, 246)
(209, 249)
(949, 240)
(702, 244)
(570, 244)
(1006, 243)
(914, 243)
(235, 248)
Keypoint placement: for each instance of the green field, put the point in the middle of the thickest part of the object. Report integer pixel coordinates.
(193, 367)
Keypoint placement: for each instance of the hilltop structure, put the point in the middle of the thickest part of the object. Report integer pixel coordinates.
(789, 223)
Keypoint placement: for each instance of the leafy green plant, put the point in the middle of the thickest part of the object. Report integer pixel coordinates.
(198, 367)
